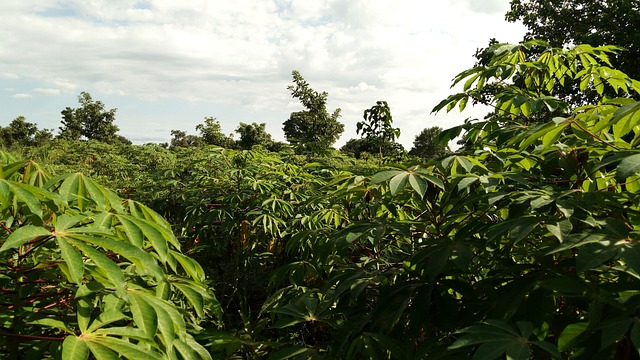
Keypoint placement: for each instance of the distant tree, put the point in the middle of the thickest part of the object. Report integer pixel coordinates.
(211, 133)
(90, 121)
(23, 133)
(359, 147)
(313, 130)
(377, 128)
(426, 145)
(279, 146)
(253, 134)
(71, 128)
(182, 139)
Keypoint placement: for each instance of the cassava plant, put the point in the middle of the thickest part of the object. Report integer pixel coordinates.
(524, 244)
(86, 274)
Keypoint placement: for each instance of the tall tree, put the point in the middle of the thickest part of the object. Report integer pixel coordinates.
(182, 139)
(426, 144)
(71, 128)
(377, 127)
(90, 120)
(253, 134)
(313, 130)
(211, 133)
(21, 132)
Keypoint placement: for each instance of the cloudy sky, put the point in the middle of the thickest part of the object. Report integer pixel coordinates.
(167, 64)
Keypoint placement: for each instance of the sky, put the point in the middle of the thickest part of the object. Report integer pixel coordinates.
(167, 64)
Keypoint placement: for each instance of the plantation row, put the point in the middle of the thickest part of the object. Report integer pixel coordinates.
(522, 244)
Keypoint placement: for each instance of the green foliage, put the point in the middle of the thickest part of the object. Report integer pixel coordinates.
(427, 145)
(182, 139)
(90, 121)
(601, 23)
(377, 127)
(252, 135)
(523, 244)
(365, 147)
(85, 272)
(20, 132)
(313, 130)
(211, 133)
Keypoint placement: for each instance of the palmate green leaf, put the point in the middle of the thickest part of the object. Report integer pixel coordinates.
(398, 182)
(144, 315)
(109, 268)
(143, 260)
(105, 318)
(35, 175)
(159, 236)
(518, 351)
(419, 185)
(65, 221)
(628, 167)
(465, 182)
(101, 352)
(72, 189)
(570, 334)
(74, 348)
(141, 211)
(133, 232)
(561, 230)
(613, 330)
(176, 317)
(186, 351)
(194, 297)
(165, 327)
(630, 254)
(593, 255)
(73, 260)
(9, 170)
(190, 266)
(22, 193)
(22, 235)
(123, 331)
(548, 133)
(491, 350)
(125, 348)
(192, 343)
(84, 308)
(52, 323)
(385, 175)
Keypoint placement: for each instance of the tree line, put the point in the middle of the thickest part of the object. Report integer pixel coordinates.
(311, 132)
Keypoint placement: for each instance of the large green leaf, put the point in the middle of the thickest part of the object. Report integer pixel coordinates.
(73, 260)
(144, 315)
(126, 349)
(112, 271)
(74, 348)
(570, 335)
(22, 235)
(629, 166)
(21, 193)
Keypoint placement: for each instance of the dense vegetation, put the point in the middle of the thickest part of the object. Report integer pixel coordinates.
(524, 243)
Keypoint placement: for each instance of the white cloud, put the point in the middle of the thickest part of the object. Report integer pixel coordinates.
(47, 91)
(242, 52)
(22, 96)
